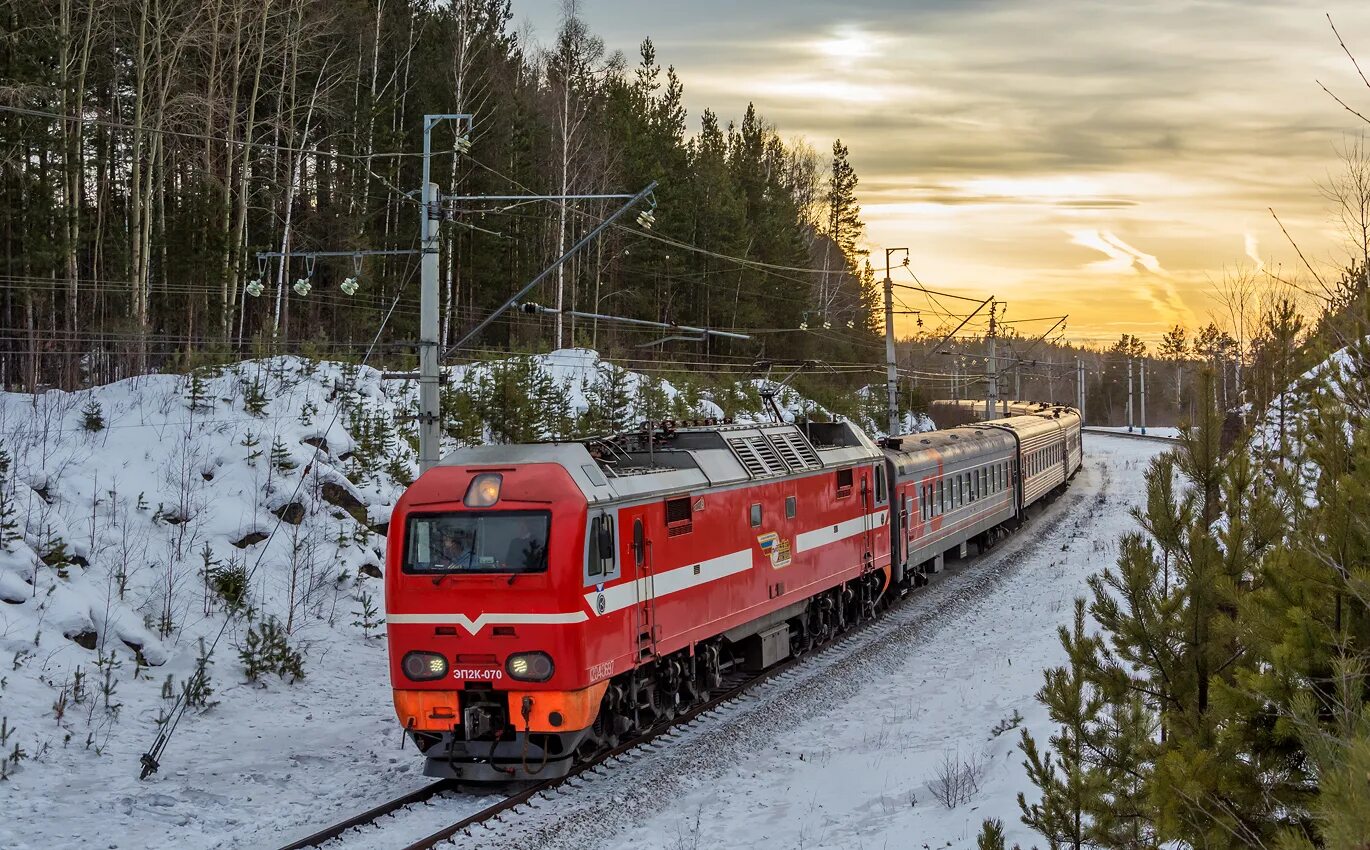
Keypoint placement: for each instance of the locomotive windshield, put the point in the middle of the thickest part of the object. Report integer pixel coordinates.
(477, 542)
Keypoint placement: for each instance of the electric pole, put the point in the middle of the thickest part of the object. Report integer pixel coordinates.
(430, 353)
(1080, 388)
(1141, 369)
(891, 368)
(1129, 394)
(992, 367)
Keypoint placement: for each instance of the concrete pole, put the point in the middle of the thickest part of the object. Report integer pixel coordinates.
(1141, 370)
(891, 369)
(1129, 394)
(992, 366)
(1080, 388)
(430, 344)
(430, 425)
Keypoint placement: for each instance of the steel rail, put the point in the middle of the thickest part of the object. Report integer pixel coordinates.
(1105, 432)
(419, 795)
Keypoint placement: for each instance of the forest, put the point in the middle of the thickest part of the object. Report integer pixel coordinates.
(150, 151)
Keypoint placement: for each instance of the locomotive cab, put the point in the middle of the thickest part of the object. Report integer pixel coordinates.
(483, 574)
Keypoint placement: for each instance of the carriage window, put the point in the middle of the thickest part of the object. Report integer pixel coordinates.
(880, 495)
(941, 497)
(790, 506)
(756, 515)
(639, 542)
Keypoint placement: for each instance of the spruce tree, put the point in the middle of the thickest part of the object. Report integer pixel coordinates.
(9, 521)
(197, 391)
(92, 415)
(280, 456)
(254, 396)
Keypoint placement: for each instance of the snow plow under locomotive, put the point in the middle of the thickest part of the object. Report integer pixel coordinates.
(544, 601)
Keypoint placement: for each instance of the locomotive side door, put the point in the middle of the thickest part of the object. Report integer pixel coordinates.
(640, 546)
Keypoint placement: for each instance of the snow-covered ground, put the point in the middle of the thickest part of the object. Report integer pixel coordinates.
(134, 516)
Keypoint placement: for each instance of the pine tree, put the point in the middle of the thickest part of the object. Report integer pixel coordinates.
(608, 403)
(9, 521)
(197, 391)
(844, 214)
(1072, 783)
(991, 835)
(57, 557)
(280, 456)
(92, 415)
(1169, 611)
(251, 443)
(1307, 625)
(254, 396)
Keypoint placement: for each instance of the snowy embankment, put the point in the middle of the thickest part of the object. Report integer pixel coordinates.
(140, 519)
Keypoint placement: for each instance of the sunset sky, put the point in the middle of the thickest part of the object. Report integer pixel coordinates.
(1105, 159)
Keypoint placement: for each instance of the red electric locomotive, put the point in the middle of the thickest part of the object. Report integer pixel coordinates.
(544, 600)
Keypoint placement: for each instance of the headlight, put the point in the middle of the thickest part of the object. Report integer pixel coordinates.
(424, 666)
(483, 490)
(530, 666)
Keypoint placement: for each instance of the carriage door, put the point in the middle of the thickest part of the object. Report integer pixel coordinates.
(645, 618)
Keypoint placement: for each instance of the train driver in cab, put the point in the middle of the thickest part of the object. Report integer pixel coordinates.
(454, 549)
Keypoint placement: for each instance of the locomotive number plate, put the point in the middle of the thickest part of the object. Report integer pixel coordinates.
(477, 674)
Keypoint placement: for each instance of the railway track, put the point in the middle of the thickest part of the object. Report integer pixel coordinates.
(1105, 432)
(734, 691)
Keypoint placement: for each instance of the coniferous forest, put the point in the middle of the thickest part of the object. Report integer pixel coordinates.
(150, 150)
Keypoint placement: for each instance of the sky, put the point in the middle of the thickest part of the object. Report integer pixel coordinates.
(1108, 160)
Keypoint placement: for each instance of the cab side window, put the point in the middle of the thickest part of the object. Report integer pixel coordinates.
(600, 549)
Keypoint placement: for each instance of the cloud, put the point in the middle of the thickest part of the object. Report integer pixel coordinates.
(983, 129)
(1253, 250)
(1159, 286)
(1122, 257)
